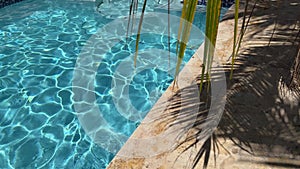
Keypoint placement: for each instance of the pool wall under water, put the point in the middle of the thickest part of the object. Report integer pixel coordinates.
(4, 3)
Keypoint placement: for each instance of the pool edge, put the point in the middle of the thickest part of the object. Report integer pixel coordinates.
(152, 129)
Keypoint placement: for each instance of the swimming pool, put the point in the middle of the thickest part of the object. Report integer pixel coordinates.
(40, 44)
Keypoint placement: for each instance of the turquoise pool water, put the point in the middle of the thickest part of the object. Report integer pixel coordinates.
(40, 43)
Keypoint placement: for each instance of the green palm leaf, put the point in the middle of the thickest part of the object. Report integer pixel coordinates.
(213, 11)
(187, 17)
(236, 17)
(138, 36)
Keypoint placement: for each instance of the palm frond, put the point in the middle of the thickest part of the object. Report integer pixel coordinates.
(187, 17)
(236, 17)
(213, 11)
(138, 36)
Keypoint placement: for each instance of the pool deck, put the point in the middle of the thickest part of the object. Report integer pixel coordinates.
(259, 128)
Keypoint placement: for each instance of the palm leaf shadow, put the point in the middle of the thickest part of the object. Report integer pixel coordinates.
(188, 111)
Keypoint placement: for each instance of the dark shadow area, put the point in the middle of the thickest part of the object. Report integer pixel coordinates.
(278, 164)
(261, 112)
(295, 80)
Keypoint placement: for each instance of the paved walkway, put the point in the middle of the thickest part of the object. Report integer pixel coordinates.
(261, 122)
